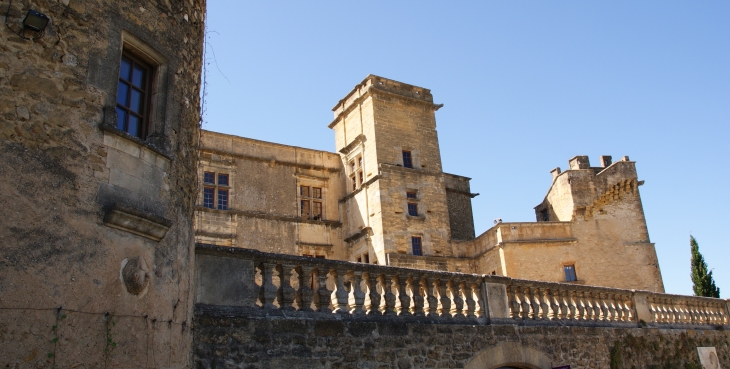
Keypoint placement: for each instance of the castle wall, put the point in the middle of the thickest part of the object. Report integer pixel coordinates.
(82, 199)
(263, 212)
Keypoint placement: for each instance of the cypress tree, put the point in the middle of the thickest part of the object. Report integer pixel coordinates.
(703, 284)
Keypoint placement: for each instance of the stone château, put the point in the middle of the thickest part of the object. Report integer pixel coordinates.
(384, 199)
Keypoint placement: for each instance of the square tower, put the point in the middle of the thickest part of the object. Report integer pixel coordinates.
(396, 201)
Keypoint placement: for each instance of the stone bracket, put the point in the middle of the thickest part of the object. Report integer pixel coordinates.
(136, 221)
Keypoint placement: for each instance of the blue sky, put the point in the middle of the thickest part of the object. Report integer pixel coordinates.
(526, 86)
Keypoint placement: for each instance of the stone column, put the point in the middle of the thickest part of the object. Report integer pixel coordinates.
(305, 293)
(357, 294)
(285, 294)
(268, 289)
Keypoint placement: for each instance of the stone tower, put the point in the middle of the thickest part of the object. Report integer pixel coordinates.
(398, 202)
(99, 127)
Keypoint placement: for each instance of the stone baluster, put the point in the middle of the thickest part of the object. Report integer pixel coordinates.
(617, 307)
(357, 294)
(268, 289)
(696, 314)
(479, 309)
(582, 311)
(469, 303)
(710, 313)
(403, 305)
(416, 285)
(527, 310)
(601, 307)
(628, 309)
(546, 304)
(431, 289)
(592, 307)
(514, 302)
(322, 297)
(445, 302)
(680, 309)
(304, 295)
(537, 303)
(373, 302)
(556, 302)
(387, 307)
(340, 296)
(572, 312)
(285, 293)
(458, 303)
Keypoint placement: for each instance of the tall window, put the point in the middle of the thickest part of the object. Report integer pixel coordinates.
(407, 159)
(310, 200)
(416, 246)
(133, 95)
(356, 173)
(215, 193)
(412, 209)
(570, 273)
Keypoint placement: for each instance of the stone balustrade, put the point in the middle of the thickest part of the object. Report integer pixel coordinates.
(276, 282)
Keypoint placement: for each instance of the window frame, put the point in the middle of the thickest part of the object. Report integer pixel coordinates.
(413, 245)
(413, 209)
(218, 190)
(407, 163)
(311, 201)
(570, 267)
(145, 90)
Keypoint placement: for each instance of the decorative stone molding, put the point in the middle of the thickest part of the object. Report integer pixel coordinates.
(136, 221)
(614, 193)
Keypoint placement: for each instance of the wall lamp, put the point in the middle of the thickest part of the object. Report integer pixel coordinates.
(34, 21)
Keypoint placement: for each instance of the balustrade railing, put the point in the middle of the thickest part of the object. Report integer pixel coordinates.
(241, 277)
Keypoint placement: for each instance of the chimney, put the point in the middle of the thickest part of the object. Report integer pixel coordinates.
(579, 162)
(555, 172)
(605, 160)
(625, 158)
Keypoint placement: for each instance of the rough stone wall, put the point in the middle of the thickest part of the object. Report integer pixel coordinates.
(227, 338)
(60, 291)
(458, 198)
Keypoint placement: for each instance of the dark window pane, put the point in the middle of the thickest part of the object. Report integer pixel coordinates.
(407, 162)
(570, 273)
(316, 193)
(416, 246)
(319, 257)
(317, 210)
(121, 118)
(208, 197)
(133, 127)
(138, 77)
(209, 177)
(413, 209)
(359, 174)
(223, 199)
(223, 179)
(304, 191)
(123, 94)
(125, 68)
(305, 208)
(136, 102)
(411, 195)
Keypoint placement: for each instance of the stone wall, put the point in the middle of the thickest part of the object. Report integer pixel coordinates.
(87, 206)
(240, 338)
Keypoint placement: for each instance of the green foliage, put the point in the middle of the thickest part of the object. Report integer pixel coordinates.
(703, 284)
(616, 354)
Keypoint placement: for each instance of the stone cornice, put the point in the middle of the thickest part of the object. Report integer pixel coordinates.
(284, 218)
(269, 160)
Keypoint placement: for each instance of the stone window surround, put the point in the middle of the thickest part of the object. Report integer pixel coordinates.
(216, 186)
(575, 271)
(155, 138)
(356, 177)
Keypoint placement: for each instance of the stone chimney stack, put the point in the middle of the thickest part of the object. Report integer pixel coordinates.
(555, 172)
(605, 160)
(579, 162)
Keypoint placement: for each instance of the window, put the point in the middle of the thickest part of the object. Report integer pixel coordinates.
(412, 209)
(416, 246)
(407, 160)
(133, 95)
(570, 273)
(310, 202)
(356, 173)
(411, 195)
(215, 194)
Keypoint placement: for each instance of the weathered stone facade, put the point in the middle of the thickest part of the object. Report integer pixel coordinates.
(591, 219)
(97, 254)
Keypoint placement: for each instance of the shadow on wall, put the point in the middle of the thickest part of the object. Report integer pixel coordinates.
(510, 355)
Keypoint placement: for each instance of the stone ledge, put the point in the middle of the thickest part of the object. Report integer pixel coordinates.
(115, 131)
(136, 221)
